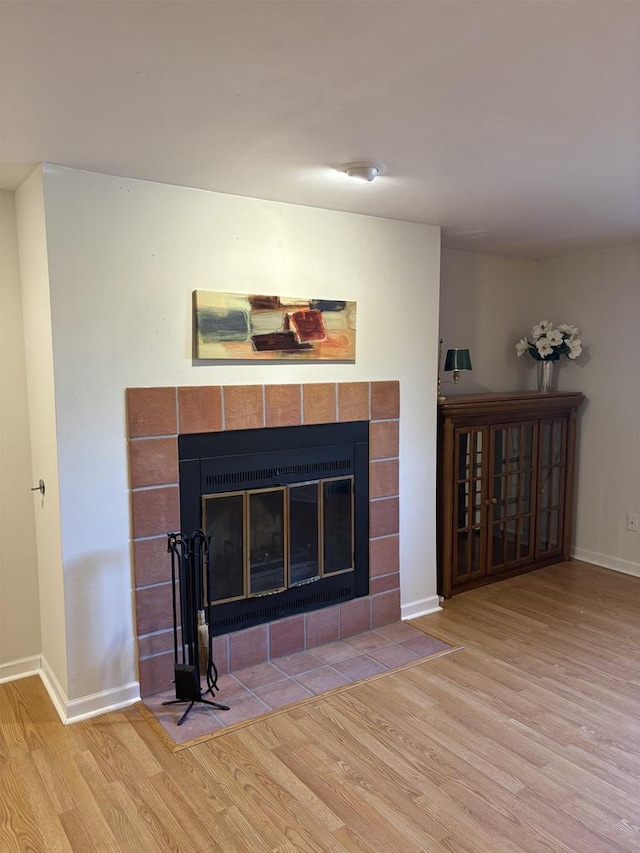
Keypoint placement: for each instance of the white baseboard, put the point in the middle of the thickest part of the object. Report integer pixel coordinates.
(21, 668)
(420, 608)
(102, 703)
(76, 710)
(55, 690)
(614, 563)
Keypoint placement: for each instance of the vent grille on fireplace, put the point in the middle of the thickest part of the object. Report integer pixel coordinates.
(258, 612)
(310, 469)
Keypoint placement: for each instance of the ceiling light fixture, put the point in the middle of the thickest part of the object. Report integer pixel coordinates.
(364, 170)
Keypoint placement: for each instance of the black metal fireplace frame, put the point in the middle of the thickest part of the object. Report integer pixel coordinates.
(277, 456)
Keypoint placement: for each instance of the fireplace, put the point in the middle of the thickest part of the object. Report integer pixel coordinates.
(287, 511)
(156, 417)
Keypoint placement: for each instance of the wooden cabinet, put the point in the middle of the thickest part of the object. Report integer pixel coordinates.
(506, 466)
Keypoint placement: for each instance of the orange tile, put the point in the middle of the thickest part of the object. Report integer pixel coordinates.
(221, 653)
(319, 403)
(243, 407)
(155, 511)
(154, 611)
(384, 517)
(153, 461)
(283, 693)
(384, 439)
(358, 667)
(384, 583)
(151, 561)
(384, 555)
(385, 608)
(151, 411)
(353, 401)
(355, 617)
(385, 400)
(283, 404)
(248, 647)
(383, 478)
(155, 644)
(156, 674)
(286, 636)
(322, 679)
(200, 409)
(323, 626)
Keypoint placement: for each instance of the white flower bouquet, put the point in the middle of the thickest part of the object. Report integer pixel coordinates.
(548, 343)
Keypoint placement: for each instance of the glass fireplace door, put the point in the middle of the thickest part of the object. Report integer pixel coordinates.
(266, 525)
(304, 539)
(223, 520)
(265, 541)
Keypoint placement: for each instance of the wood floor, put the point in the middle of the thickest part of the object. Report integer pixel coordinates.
(526, 741)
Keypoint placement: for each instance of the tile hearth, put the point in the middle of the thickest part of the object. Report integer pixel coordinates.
(257, 690)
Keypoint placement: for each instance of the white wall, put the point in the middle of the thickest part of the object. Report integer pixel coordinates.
(20, 642)
(599, 291)
(484, 308)
(39, 362)
(124, 257)
(488, 303)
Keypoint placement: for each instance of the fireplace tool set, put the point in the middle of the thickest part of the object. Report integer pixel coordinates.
(193, 655)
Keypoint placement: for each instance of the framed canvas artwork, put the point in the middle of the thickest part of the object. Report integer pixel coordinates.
(238, 326)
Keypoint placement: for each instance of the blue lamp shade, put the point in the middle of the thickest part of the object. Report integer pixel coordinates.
(457, 359)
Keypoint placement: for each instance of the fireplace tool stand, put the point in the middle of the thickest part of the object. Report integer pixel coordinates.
(191, 588)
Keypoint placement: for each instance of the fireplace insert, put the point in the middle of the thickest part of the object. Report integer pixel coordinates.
(287, 510)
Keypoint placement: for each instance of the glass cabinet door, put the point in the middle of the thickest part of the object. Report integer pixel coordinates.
(551, 476)
(469, 539)
(509, 502)
(505, 485)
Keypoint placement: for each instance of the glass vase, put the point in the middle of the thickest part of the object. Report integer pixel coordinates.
(547, 376)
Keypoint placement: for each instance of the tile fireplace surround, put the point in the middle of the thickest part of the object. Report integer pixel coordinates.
(155, 417)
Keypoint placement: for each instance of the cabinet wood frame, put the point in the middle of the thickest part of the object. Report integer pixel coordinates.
(503, 410)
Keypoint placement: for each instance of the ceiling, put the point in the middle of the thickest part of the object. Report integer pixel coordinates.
(514, 125)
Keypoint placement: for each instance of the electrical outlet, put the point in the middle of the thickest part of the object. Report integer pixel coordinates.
(633, 522)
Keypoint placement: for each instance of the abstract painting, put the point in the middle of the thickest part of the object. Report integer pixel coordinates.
(238, 326)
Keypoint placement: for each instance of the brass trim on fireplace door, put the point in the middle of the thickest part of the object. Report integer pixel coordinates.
(286, 550)
(320, 529)
(246, 537)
